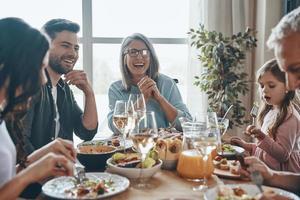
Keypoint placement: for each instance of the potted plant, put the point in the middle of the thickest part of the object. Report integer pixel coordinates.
(223, 77)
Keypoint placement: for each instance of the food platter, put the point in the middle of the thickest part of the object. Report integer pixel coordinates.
(60, 187)
(226, 173)
(251, 190)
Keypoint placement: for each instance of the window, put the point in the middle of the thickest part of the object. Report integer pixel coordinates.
(103, 26)
(164, 22)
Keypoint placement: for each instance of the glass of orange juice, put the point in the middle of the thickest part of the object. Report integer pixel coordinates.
(193, 167)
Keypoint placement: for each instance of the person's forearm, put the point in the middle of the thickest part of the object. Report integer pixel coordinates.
(286, 180)
(37, 154)
(170, 110)
(90, 117)
(13, 188)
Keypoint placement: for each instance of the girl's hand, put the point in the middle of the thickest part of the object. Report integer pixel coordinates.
(256, 132)
(240, 142)
(48, 166)
(57, 146)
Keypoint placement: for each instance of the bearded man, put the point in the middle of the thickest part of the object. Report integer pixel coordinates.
(54, 112)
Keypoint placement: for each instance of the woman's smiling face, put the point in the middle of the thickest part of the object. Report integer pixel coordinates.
(137, 59)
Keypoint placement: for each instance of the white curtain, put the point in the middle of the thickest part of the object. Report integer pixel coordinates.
(230, 17)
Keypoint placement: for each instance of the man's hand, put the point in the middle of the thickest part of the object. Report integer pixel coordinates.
(80, 80)
(257, 165)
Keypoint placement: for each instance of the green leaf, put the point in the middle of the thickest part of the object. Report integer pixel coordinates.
(223, 76)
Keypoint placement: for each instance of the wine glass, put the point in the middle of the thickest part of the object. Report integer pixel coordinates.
(223, 125)
(139, 105)
(206, 140)
(120, 118)
(144, 137)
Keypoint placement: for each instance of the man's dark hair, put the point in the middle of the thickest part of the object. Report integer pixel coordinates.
(58, 25)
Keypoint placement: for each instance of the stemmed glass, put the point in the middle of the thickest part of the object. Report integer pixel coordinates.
(206, 140)
(144, 137)
(120, 118)
(139, 105)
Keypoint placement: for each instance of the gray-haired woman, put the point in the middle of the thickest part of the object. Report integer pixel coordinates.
(140, 74)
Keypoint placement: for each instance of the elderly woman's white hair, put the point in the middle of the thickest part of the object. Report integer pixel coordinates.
(290, 23)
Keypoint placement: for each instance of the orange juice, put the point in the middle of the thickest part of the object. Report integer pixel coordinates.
(191, 165)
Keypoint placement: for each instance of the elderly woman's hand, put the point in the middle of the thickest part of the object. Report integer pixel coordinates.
(148, 88)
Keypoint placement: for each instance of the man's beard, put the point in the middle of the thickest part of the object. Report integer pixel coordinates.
(55, 65)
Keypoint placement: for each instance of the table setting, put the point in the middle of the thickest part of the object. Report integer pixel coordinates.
(145, 162)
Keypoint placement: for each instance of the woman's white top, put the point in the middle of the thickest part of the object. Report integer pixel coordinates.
(7, 156)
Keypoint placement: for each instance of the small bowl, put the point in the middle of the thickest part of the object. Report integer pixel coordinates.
(93, 160)
(132, 173)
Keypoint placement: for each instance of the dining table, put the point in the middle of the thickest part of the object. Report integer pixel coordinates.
(166, 185)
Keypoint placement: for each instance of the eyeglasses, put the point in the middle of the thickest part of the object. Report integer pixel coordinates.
(135, 52)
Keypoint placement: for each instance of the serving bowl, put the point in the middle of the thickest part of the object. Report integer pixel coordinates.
(93, 156)
(132, 173)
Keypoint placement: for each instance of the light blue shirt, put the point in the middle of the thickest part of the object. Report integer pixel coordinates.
(167, 88)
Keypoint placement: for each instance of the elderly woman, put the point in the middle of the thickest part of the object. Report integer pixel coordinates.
(140, 74)
(23, 57)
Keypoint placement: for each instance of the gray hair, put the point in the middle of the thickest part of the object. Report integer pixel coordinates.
(290, 23)
(152, 72)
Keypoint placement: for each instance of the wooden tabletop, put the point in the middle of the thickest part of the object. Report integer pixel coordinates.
(167, 185)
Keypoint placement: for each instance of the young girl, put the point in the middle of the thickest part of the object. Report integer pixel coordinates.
(279, 120)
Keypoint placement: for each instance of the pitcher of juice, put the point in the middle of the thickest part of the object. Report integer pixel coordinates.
(191, 164)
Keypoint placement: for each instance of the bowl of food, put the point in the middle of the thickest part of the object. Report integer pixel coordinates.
(94, 155)
(129, 165)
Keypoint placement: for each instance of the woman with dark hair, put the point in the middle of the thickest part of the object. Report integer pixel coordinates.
(140, 74)
(23, 57)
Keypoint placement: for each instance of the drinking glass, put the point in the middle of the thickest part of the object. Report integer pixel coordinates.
(120, 119)
(139, 105)
(223, 125)
(144, 138)
(206, 140)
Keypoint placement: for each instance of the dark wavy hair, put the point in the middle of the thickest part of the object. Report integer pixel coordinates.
(58, 25)
(290, 99)
(22, 51)
(152, 72)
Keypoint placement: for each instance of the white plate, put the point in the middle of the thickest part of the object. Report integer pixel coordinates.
(56, 187)
(128, 143)
(237, 149)
(251, 189)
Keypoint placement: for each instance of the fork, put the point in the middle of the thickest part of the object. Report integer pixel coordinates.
(79, 172)
(254, 112)
(257, 179)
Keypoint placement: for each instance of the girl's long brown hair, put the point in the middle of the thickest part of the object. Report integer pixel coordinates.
(291, 98)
